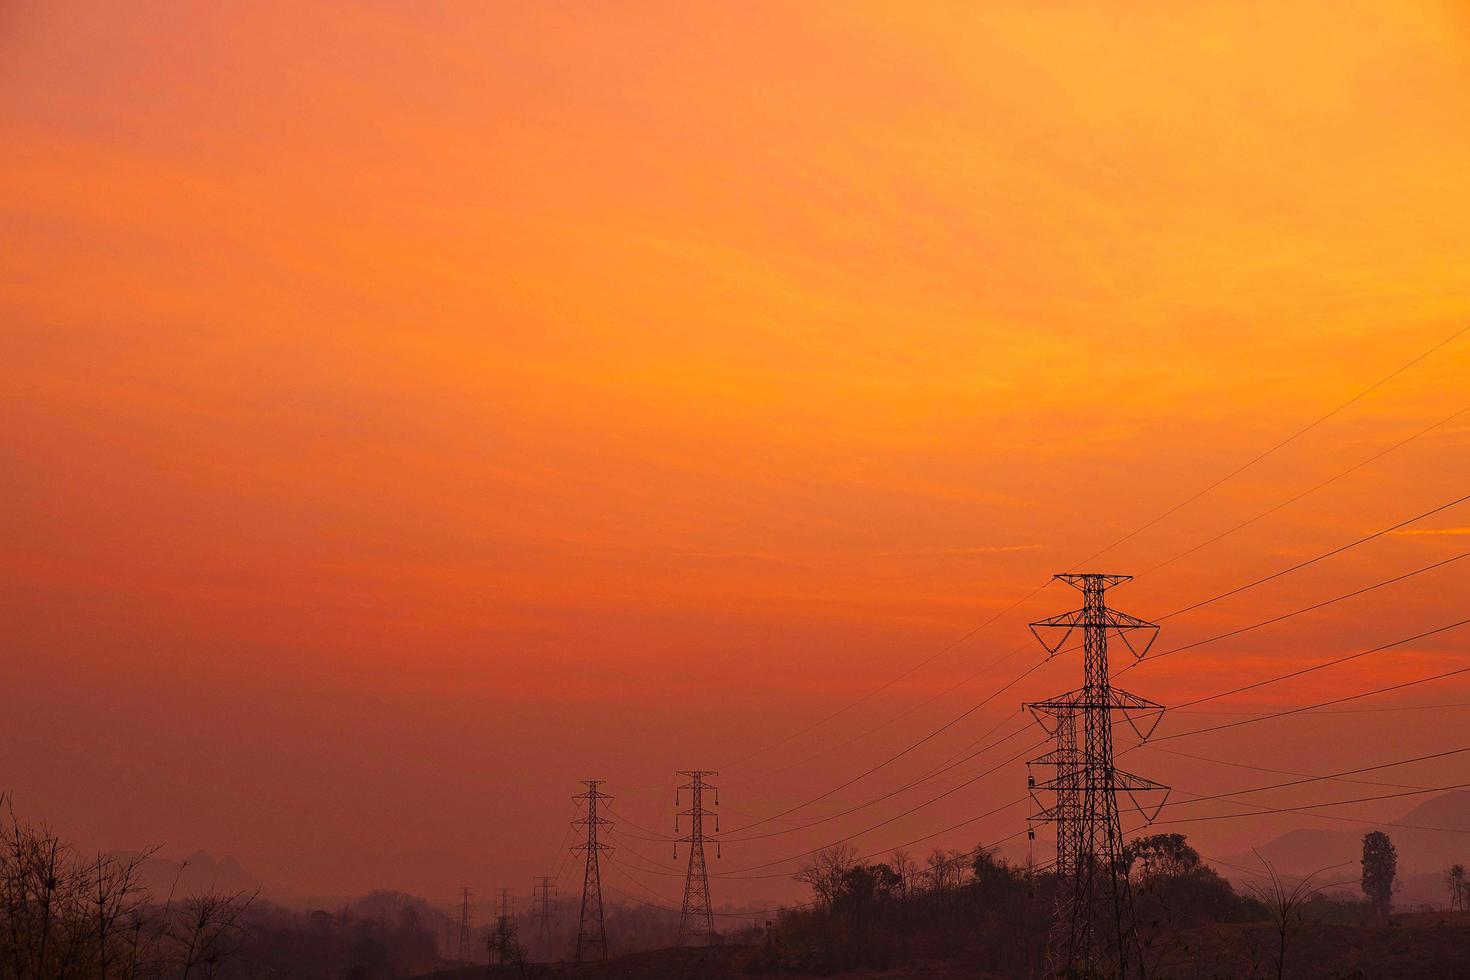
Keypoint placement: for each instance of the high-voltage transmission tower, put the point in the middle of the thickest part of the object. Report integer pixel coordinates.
(697, 917)
(591, 932)
(1093, 932)
(503, 940)
(465, 955)
(505, 906)
(544, 895)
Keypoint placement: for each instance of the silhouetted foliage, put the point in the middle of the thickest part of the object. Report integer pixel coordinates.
(381, 936)
(978, 909)
(1455, 880)
(67, 915)
(825, 871)
(1380, 869)
(1160, 855)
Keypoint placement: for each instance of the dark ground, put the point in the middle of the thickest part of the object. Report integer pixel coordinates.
(1423, 946)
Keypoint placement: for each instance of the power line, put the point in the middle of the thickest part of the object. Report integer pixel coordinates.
(742, 872)
(1308, 492)
(1310, 707)
(914, 809)
(1316, 806)
(1280, 445)
(1343, 711)
(1144, 527)
(1152, 656)
(1313, 560)
(887, 684)
(878, 799)
(1172, 510)
(1297, 612)
(898, 755)
(1358, 821)
(1276, 772)
(1322, 666)
(648, 834)
(1156, 739)
(1331, 776)
(1196, 605)
(1020, 800)
(653, 867)
(1289, 570)
(1320, 816)
(889, 721)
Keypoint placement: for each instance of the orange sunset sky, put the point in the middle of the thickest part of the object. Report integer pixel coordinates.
(412, 409)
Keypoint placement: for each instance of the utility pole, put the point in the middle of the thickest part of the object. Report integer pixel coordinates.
(544, 895)
(697, 917)
(591, 932)
(464, 926)
(1093, 931)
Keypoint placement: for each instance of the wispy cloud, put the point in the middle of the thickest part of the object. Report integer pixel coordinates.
(1433, 531)
(1000, 549)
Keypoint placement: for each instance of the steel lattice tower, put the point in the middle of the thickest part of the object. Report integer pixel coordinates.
(505, 906)
(503, 939)
(464, 926)
(1093, 930)
(1059, 718)
(545, 897)
(697, 917)
(591, 932)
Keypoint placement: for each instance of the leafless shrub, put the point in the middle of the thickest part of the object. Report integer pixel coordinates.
(67, 916)
(1284, 903)
(825, 871)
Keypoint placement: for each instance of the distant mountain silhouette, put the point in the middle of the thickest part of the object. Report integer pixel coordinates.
(1425, 850)
(197, 874)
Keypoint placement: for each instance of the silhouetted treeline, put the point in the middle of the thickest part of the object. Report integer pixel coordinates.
(66, 915)
(357, 943)
(980, 909)
(632, 927)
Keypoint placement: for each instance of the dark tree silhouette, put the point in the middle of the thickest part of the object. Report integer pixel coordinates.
(1380, 868)
(1160, 854)
(825, 871)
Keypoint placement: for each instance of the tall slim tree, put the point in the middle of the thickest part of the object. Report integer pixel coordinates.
(1455, 878)
(1380, 868)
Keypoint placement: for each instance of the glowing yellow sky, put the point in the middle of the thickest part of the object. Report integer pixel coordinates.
(458, 402)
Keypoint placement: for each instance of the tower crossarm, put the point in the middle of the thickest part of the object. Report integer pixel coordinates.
(1066, 623)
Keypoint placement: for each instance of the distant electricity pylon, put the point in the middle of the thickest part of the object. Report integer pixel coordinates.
(545, 897)
(1093, 932)
(591, 932)
(502, 941)
(465, 955)
(697, 918)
